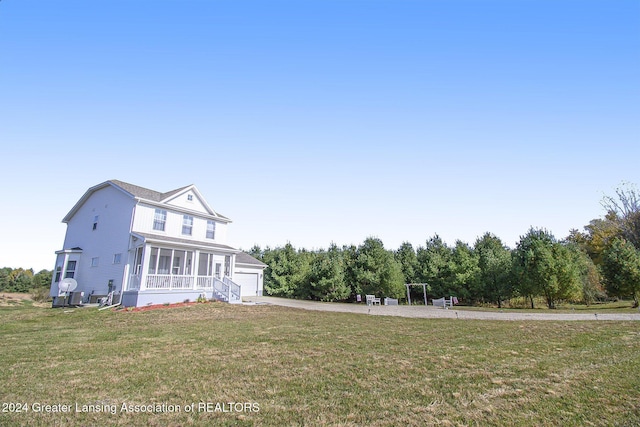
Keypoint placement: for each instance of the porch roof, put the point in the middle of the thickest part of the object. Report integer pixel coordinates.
(152, 238)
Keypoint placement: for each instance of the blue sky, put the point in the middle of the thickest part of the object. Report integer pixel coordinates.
(313, 121)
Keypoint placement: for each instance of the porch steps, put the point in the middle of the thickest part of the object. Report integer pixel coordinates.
(226, 290)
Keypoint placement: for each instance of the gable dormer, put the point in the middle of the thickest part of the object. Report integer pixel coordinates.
(188, 198)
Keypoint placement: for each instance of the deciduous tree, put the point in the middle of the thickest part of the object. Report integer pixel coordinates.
(621, 270)
(546, 267)
(625, 206)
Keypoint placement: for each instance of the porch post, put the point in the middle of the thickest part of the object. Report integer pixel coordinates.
(63, 273)
(146, 257)
(195, 265)
(171, 269)
(232, 267)
(125, 279)
(424, 292)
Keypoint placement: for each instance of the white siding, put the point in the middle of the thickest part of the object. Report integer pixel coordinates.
(182, 201)
(143, 223)
(111, 236)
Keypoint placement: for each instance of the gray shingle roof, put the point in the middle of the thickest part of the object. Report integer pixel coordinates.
(145, 193)
(140, 193)
(244, 258)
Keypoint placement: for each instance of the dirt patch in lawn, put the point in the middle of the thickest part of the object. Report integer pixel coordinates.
(13, 298)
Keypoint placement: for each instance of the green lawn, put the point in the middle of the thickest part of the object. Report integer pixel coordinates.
(295, 367)
(521, 306)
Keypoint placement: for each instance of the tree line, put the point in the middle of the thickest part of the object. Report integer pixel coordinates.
(601, 262)
(21, 280)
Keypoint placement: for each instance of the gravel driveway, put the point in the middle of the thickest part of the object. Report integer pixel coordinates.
(436, 312)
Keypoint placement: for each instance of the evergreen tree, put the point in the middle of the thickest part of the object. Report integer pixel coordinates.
(434, 265)
(287, 271)
(464, 271)
(327, 276)
(408, 261)
(376, 271)
(494, 263)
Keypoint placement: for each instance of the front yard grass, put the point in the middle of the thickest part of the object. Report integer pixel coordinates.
(296, 367)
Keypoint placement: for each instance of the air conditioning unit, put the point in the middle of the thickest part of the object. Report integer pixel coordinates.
(75, 298)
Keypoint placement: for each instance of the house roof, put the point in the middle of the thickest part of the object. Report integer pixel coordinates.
(141, 193)
(244, 258)
(145, 193)
(241, 257)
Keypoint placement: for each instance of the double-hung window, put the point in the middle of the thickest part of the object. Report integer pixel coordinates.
(159, 219)
(187, 225)
(211, 229)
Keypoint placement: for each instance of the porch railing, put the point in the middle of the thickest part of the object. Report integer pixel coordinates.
(169, 281)
(234, 289)
(204, 282)
(225, 289)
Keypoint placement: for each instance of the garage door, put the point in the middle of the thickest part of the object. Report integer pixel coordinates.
(248, 282)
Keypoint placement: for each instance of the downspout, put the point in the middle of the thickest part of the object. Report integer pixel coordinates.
(111, 306)
(125, 279)
(126, 273)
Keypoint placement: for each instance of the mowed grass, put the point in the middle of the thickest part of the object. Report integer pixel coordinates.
(315, 368)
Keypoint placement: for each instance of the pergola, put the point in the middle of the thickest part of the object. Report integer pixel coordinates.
(424, 291)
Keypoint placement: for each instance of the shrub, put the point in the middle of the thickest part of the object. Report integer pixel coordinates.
(40, 295)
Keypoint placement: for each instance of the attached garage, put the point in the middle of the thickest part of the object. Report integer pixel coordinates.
(249, 283)
(249, 275)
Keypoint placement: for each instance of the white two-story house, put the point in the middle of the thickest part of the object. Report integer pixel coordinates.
(144, 247)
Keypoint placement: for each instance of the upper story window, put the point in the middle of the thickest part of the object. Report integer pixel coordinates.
(95, 261)
(190, 197)
(187, 224)
(211, 229)
(117, 258)
(95, 222)
(159, 219)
